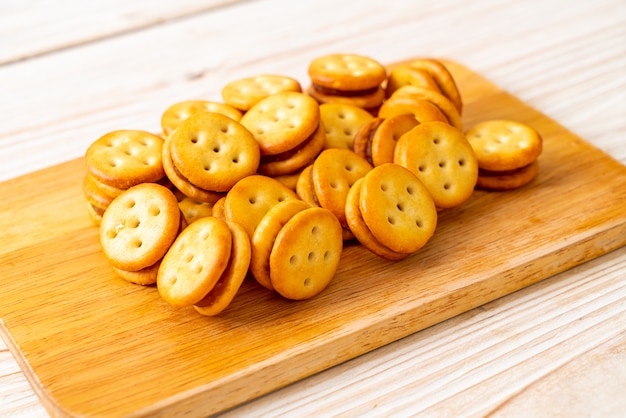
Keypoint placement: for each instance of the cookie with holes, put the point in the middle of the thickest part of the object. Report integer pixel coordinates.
(223, 292)
(212, 151)
(182, 184)
(397, 208)
(139, 226)
(125, 158)
(251, 197)
(442, 158)
(502, 145)
(177, 113)
(360, 230)
(195, 262)
(347, 78)
(265, 235)
(342, 122)
(245, 92)
(333, 173)
(295, 159)
(282, 121)
(305, 254)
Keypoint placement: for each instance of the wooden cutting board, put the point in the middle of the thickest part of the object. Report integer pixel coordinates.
(92, 344)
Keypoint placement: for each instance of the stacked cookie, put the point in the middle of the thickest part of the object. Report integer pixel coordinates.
(507, 153)
(117, 161)
(347, 78)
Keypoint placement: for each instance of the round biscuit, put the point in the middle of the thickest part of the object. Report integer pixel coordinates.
(191, 208)
(246, 92)
(195, 262)
(250, 198)
(442, 102)
(139, 226)
(282, 121)
(306, 254)
(224, 291)
(397, 208)
(346, 72)
(125, 158)
(304, 186)
(504, 144)
(440, 156)
(406, 75)
(361, 231)
(265, 235)
(421, 110)
(334, 171)
(442, 76)
(342, 122)
(181, 183)
(177, 113)
(213, 151)
(294, 159)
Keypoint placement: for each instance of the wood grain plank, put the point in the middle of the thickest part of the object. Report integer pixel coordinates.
(276, 342)
(34, 28)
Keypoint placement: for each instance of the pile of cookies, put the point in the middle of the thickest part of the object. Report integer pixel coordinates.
(272, 182)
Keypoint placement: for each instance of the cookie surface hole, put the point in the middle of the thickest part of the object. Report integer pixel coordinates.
(315, 230)
(133, 223)
(442, 164)
(326, 255)
(391, 220)
(400, 207)
(136, 243)
(293, 260)
(130, 204)
(461, 162)
(447, 186)
(307, 282)
(410, 190)
(311, 257)
(154, 210)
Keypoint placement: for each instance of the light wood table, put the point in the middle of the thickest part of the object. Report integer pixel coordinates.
(71, 70)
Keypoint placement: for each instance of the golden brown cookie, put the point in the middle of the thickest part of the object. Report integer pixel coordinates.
(282, 121)
(139, 226)
(306, 254)
(334, 171)
(346, 72)
(406, 75)
(378, 142)
(212, 151)
(144, 277)
(360, 229)
(179, 112)
(442, 76)
(195, 262)
(125, 158)
(342, 122)
(182, 184)
(193, 209)
(265, 235)
(502, 145)
(248, 200)
(397, 208)
(246, 92)
(440, 156)
(442, 102)
(294, 159)
(304, 187)
(421, 110)
(224, 291)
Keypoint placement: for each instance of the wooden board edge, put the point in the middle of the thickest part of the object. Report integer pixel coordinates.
(209, 401)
